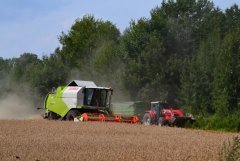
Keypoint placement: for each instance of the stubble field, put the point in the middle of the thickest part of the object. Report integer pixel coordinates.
(58, 140)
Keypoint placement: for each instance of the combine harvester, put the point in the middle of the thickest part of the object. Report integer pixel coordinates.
(84, 101)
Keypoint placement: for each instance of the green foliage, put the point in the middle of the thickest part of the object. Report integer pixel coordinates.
(5, 66)
(90, 50)
(169, 37)
(198, 76)
(23, 67)
(226, 84)
(50, 73)
(230, 150)
(86, 36)
(142, 72)
(216, 122)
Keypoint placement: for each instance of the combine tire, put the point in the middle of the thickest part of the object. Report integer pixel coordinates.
(72, 114)
(52, 116)
(147, 120)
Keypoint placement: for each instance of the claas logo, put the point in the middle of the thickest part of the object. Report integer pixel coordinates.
(73, 88)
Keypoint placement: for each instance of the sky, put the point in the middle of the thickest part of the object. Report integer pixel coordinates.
(34, 26)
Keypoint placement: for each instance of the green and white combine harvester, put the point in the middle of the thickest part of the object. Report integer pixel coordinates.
(84, 101)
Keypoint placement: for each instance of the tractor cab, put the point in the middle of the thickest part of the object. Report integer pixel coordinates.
(156, 108)
(163, 108)
(159, 107)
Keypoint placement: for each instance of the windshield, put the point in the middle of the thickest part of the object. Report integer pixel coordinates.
(96, 97)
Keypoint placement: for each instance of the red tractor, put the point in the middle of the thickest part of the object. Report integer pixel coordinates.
(163, 114)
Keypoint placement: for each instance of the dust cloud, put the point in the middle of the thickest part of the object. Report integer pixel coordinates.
(13, 106)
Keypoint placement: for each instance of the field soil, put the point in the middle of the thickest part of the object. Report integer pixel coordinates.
(58, 140)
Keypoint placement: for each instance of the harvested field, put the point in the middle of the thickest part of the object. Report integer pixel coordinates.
(58, 140)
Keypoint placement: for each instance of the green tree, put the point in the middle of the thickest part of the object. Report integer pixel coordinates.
(83, 40)
(171, 36)
(51, 72)
(198, 75)
(226, 91)
(23, 67)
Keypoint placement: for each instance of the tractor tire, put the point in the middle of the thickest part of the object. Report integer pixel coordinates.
(161, 121)
(147, 120)
(71, 115)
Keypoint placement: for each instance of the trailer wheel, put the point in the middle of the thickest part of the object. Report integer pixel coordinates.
(72, 114)
(147, 120)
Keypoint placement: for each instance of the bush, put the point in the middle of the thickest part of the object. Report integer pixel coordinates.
(230, 150)
(215, 122)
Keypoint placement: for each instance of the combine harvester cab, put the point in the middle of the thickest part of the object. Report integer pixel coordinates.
(163, 114)
(82, 100)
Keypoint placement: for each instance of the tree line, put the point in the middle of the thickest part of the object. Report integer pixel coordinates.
(188, 52)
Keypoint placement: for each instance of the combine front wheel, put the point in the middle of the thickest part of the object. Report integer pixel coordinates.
(71, 115)
(52, 116)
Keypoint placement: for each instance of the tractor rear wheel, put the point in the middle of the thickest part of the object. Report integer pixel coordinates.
(161, 121)
(147, 120)
(72, 114)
